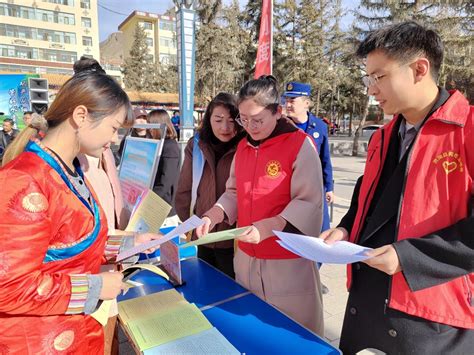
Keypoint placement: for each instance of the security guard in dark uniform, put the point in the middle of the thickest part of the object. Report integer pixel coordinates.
(297, 104)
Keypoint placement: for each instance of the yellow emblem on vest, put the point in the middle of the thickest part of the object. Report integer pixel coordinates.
(273, 169)
(450, 162)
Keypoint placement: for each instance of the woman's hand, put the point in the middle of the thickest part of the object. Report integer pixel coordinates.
(251, 235)
(146, 237)
(333, 235)
(204, 228)
(111, 285)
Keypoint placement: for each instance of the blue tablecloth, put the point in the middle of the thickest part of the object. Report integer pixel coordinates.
(250, 324)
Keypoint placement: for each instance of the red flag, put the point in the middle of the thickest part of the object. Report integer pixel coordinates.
(263, 64)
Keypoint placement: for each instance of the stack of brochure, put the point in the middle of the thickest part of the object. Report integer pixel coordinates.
(164, 322)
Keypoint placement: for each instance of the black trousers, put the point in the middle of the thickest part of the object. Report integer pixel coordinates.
(368, 323)
(220, 258)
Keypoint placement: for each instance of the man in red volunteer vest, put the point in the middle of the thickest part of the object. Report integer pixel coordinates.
(413, 205)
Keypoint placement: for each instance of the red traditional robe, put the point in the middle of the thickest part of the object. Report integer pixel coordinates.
(50, 240)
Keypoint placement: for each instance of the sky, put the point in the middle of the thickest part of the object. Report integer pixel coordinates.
(113, 12)
(118, 10)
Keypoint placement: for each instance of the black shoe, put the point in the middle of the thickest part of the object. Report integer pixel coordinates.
(324, 289)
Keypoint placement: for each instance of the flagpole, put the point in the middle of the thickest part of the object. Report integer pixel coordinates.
(271, 36)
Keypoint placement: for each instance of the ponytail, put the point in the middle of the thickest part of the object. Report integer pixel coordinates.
(38, 124)
(90, 86)
(18, 145)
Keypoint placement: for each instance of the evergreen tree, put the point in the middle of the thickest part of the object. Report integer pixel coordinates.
(220, 46)
(138, 66)
(451, 19)
(164, 78)
(235, 45)
(286, 41)
(250, 23)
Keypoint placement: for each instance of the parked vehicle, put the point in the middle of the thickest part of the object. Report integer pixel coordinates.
(367, 131)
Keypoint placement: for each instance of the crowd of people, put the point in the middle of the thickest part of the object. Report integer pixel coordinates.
(250, 165)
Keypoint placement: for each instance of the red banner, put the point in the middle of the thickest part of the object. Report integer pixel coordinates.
(263, 64)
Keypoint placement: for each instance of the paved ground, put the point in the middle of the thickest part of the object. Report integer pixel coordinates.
(346, 172)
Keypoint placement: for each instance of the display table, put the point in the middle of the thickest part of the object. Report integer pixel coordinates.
(250, 324)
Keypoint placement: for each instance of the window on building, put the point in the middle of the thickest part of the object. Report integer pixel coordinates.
(147, 25)
(14, 11)
(70, 38)
(85, 4)
(167, 25)
(58, 55)
(87, 41)
(149, 41)
(26, 12)
(23, 53)
(167, 42)
(67, 19)
(37, 53)
(86, 22)
(61, 2)
(165, 59)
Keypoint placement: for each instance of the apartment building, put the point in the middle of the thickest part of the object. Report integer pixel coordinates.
(161, 35)
(47, 36)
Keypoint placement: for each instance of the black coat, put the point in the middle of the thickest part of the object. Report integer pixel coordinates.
(5, 140)
(166, 180)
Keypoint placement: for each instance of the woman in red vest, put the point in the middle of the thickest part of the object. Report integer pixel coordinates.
(275, 183)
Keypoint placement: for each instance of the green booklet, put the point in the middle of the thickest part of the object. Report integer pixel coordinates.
(216, 237)
(182, 320)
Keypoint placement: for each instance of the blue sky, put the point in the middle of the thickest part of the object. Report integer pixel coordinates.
(118, 10)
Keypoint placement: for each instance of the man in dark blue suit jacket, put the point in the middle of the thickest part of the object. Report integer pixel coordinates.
(297, 103)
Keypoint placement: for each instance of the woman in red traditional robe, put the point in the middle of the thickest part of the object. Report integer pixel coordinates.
(53, 231)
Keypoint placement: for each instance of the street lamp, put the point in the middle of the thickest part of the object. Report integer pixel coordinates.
(186, 29)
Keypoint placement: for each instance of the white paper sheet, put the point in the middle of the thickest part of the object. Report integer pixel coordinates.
(210, 341)
(183, 228)
(317, 250)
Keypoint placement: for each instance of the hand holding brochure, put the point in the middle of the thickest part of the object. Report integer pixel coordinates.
(183, 228)
(317, 250)
(149, 213)
(216, 237)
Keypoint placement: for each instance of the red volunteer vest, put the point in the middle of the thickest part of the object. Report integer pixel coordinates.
(263, 181)
(438, 187)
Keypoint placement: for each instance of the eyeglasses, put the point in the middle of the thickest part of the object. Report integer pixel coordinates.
(373, 79)
(257, 123)
(245, 122)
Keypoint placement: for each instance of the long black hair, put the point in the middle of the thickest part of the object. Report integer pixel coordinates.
(226, 100)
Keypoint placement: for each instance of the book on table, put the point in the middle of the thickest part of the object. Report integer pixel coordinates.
(166, 322)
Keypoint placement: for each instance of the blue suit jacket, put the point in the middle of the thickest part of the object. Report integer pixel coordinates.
(318, 130)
